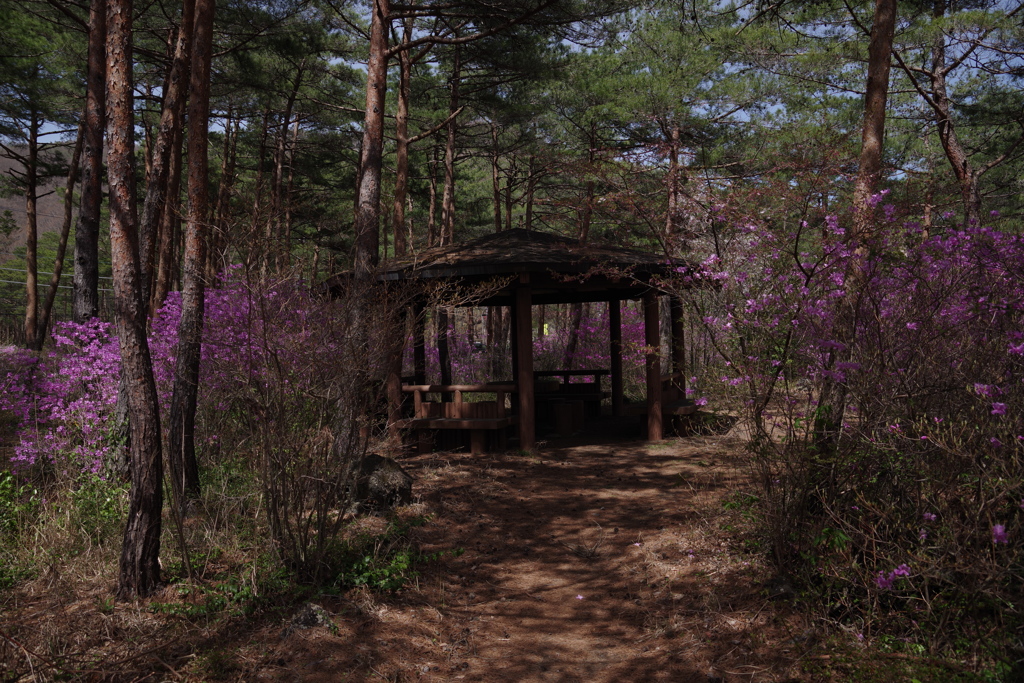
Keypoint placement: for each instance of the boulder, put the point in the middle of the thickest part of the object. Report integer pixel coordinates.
(381, 484)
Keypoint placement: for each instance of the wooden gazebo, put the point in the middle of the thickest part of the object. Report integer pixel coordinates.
(536, 268)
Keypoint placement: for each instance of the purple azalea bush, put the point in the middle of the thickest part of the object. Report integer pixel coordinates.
(931, 367)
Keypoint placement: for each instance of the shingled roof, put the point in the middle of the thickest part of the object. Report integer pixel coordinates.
(560, 270)
(520, 251)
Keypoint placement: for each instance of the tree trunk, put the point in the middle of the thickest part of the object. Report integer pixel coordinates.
(367, 218)
(167, 260)
(275, 229)
(180, 432)
(873, 128)
(43, 322)
(170, 124)
(672, 215)
(531, 184)
(448, 201)
(31, 233)
(432, 207)
(289, 191)
(139, 568)
(218, 237)
(832, 398)
(495, 177)
(86, 303)
(966, 175)
(402, 144)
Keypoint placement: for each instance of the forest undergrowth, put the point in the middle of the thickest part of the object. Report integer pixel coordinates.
(900, 525)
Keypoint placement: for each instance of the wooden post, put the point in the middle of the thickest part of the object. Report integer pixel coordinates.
(524, 342)
(514, 341)
(419, 345)
(678, 343)
(615, 335)
(652, 339)
(394, 389)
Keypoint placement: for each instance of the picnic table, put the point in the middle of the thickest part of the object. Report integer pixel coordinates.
(476, 417)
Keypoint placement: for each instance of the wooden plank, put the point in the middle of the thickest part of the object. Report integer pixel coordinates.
(458, 423)
(470, 388)
(615, 334)
(652, 339)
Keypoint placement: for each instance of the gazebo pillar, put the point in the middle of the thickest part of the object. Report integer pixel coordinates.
(394, 385)
(678, 342)
(524, 371)
(419, 344)
(615, 339)
(652, 339)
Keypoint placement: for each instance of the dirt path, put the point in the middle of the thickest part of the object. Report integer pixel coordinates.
(584, 563)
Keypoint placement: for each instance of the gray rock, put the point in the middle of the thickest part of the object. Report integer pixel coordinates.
(381, 484)
(310, 616)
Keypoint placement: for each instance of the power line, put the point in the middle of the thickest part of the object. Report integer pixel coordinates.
(46, 284)
(39, 272)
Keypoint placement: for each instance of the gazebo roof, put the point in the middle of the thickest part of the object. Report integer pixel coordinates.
(559, 269)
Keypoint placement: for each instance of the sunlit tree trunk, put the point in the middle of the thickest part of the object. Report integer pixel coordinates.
(43, 322)
(139, 568)
(367, 218)
(159, 177)
(85, 302)
(31, 231)
(181, 430)
(448, 200)
(832, 398)
(402, 144)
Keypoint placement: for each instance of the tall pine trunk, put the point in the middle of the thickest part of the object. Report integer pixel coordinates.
(85, 303)
(139, 568)
(31, 232)
(181, 430)
(43, 322)
(367, 218)
(832, 399)
(157, 190)
(448, 200)
(402, 144)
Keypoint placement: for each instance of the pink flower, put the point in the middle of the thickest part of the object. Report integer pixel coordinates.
(999, 534)
(999, 409)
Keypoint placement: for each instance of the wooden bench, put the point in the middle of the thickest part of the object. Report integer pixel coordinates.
(675, 407)
(476, 417)
(589, 393)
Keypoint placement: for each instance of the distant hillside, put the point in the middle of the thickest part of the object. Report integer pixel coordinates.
(50, 210)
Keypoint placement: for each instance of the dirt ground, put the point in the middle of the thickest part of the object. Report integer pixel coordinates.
(589, 562)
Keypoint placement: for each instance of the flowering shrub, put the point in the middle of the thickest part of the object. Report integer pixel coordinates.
(931, 361)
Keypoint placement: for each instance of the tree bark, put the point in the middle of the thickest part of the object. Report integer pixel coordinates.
(495, 177)
(967, 176)
(139, 568)
(43, 322)
(832, 398)
(432, 205)
(170, 124)
(672, 215)
(873, 128)
(367, 218)
(448, 200)
(31, 232)
(402, 144)
(86, 303)
(167, 257)
(181, 430)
